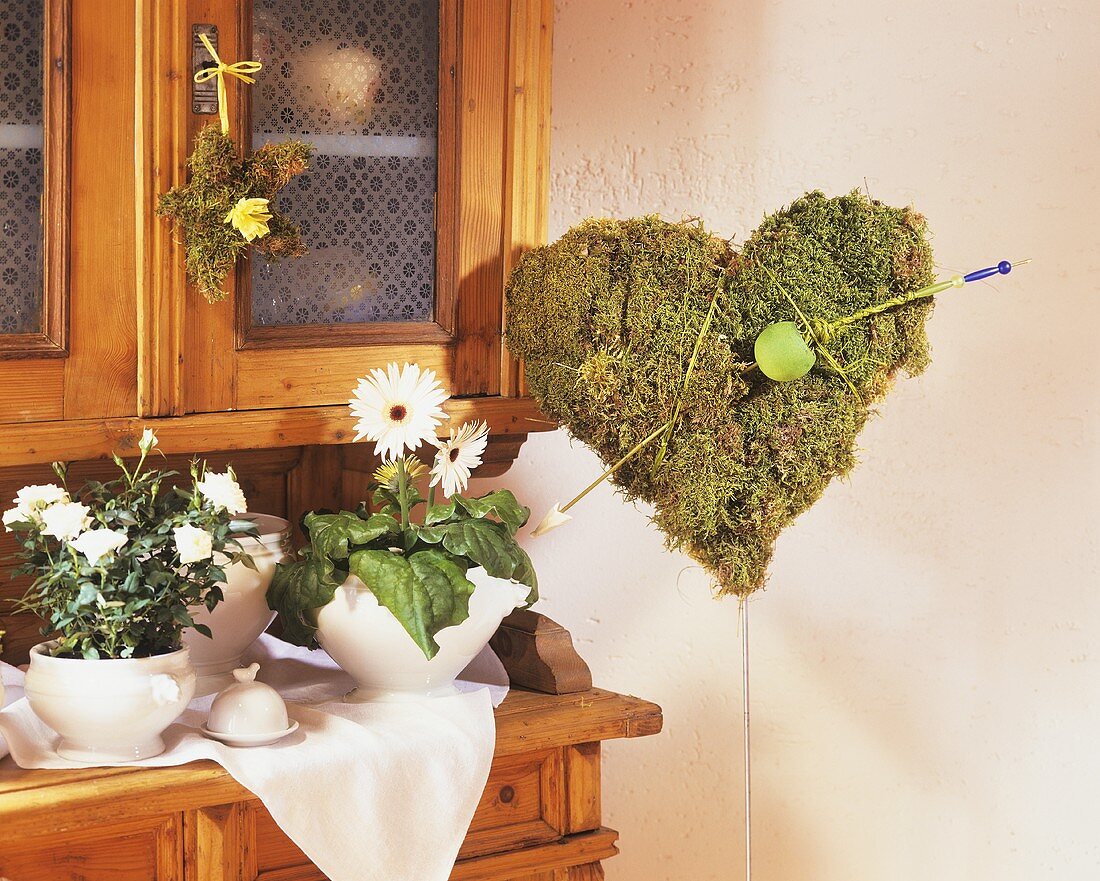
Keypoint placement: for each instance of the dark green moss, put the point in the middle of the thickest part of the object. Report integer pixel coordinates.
(607, 318)
(219, 177)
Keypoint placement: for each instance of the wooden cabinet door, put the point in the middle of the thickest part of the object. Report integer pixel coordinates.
(67, 210)
(142, 850)
(430, 123)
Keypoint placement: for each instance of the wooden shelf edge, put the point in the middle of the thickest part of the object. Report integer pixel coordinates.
(42, 803)
(79, 440)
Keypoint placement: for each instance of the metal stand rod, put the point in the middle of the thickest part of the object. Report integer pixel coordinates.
(747, 732)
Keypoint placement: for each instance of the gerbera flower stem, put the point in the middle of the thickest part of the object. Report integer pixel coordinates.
(403, 492)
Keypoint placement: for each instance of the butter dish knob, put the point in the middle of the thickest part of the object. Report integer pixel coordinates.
(246, 674)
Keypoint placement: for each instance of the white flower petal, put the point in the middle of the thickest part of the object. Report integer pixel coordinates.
(31, 501)
(458, 456)
(397, 408)
(95, 544)
(223, 492)
(553, 519)
(40, 495)
(193, 544)
(65, 520)
(13, 515)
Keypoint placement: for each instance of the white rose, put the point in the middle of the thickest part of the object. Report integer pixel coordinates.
(40, 496)
(148, 440)
(193, 544)
(222, 491)
(30, 501)
(65, 520)
(95, 544)
(14, 515)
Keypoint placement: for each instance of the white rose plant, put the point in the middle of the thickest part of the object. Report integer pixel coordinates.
(117, 564)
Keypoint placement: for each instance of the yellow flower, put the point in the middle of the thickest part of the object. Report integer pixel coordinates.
(386, 475)
(250, 217)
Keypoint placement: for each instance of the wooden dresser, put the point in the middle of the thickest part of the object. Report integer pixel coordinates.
(539, 819)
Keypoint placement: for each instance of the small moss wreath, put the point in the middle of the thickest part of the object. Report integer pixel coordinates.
(220, 178)
(607, 320)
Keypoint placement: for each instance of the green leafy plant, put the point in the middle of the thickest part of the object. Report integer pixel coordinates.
(117, 566)
(415, 568)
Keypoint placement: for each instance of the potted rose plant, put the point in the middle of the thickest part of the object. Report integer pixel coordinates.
(116, 567)
(404, 592)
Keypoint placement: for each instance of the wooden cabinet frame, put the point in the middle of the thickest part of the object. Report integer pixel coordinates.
(143, 349)
(493, 176)
(540, 816)
(441, 329)
(51, 341)
(80, 363)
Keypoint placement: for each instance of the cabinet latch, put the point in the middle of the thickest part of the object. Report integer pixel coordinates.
(204, 96)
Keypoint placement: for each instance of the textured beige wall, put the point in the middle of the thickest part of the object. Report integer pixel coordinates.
(927, 657)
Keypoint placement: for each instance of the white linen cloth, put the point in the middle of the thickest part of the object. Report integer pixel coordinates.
(370, 792)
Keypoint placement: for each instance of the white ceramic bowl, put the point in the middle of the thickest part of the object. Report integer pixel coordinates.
(368, 642)
(239, 619)
(112, 710)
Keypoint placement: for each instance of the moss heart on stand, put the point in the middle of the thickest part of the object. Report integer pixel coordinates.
(612, 318)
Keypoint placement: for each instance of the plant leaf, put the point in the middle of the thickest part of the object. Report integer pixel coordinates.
(439, 513)
(333, 535)
(295, 589)
(525, 574)
(486, 543)
(500, 503)
(425, 592)
(444, 578)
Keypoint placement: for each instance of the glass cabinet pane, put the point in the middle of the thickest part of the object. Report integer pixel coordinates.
(360, 80)
(21, 167)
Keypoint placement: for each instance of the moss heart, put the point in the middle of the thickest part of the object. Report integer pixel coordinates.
(607, 320)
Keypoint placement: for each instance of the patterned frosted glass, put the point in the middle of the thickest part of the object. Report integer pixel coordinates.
(359, 79)
(21, 24)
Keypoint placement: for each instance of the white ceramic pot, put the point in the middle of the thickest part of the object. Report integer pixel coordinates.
(368, 642)
(239, 619)
(109, 710)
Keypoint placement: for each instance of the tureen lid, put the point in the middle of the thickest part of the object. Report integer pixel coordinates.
(248, 707)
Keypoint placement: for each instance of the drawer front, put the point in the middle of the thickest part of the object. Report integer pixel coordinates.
(523, 804)
(147, 850)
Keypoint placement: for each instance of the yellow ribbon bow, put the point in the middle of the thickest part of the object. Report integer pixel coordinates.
(242, 70)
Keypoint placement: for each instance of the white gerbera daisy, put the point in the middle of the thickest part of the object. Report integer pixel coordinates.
(458, 456)
(398, 409)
